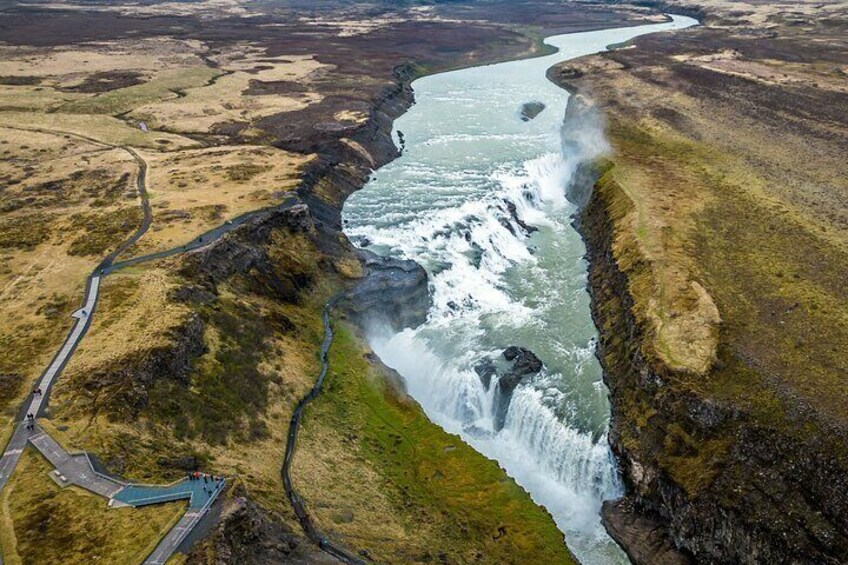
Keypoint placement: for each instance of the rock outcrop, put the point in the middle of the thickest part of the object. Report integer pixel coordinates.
(247, 535)
(509, 370)
(127, 381)
(392, 292)
(706, 482)
(644, 539)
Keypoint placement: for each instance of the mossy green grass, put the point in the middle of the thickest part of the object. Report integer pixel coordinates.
(449, 501)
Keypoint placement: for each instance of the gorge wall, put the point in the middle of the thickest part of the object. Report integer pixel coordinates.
(725, 461)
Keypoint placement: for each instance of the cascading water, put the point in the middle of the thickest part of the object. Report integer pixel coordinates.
(478, 199)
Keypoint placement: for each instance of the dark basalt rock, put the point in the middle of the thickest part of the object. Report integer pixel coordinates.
(402, 141)
(245, 250)
(485, 369)
(645, 540)
(525, 361)
(513, 211)
(192, 294)
(392, 291)
(530, 110)
(475, 254)
(507, 226)
(772, 497)
(182, 463)
(129, 380)
(248, 535)
(520, 363)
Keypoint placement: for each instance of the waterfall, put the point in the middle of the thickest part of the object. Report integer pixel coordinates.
(538, 438)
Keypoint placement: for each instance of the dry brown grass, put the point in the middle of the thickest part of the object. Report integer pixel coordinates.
(732, 175)
(68, 66)
(102, 128)
(204, 8)
(134, 313)
(33, 98)
(40, 284)
(196, 190)
(135, 316)
(682, 315)
(51, 180)
(326, 455)
(227, 99)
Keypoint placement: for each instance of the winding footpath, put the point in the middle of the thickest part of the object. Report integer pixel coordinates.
(77, 468)
(36, 402)
(294, 498)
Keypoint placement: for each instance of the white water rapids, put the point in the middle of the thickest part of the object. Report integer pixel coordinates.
(444, 203)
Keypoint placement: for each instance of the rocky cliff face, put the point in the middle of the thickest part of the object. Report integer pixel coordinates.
(128, 381)
(392, 292)
(344, 164)
(706, 481)
(248, 535)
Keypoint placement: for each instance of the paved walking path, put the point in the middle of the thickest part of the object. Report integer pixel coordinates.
(77, 469)
(35, 402)
(174, 538)
(202, 240)
(10, 457)
(74, 468)
(83, 320)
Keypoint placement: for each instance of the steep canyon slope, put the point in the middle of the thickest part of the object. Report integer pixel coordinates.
(718, 245)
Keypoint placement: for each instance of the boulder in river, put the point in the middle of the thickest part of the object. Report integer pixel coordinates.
(524, 361)
(530, 110)
(514, 365)
(513, 211)
(485, 369)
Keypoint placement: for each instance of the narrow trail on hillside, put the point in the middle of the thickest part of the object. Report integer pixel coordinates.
(36, 403)
(294, 498)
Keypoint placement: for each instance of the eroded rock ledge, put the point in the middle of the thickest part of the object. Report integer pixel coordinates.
(392, 292)
(513, 366)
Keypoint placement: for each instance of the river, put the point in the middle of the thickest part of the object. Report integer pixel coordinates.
(443, 203)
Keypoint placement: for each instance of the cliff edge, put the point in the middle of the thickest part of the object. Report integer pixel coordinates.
(716, 252)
